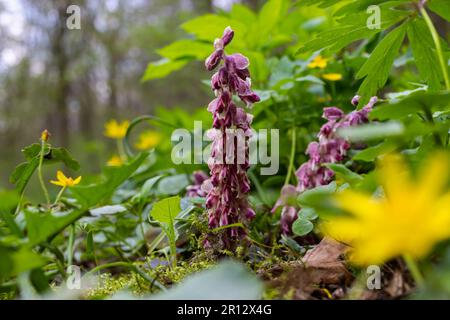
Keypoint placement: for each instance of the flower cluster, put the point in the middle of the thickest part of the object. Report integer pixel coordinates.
(195, 190)
(329, 148)
(228, 186)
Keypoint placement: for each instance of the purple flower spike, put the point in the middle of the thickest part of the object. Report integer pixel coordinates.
(329, 149)
(196, 190)
(227, 189)
(332, 113)
(227, 36)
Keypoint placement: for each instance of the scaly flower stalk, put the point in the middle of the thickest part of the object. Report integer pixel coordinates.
(228, 186)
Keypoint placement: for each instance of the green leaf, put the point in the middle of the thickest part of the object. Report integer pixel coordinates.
(210, 26)
(162, 68)
(353, 27)
(372, 131)
(377, 68)
(22, 174)
(344, 173)
(307, 214)
(424, 53)
(42, 226)
(147, 188)
(62, 155)
(302, 227)
(415, 102)
(268, 17)
(371, 153)
(166, 210)
(16, 261)
(89, 196)
(186, 48)
(441, 7)
(8, 202)
(242, 13)
(314, 198)
(173, 185)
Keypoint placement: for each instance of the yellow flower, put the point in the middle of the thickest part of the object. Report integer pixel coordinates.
(114, 161)
(116, 130)
(318, 62)
(409, 219)
(45, 135)
(64, 181)
(148, 140)
(332, 76)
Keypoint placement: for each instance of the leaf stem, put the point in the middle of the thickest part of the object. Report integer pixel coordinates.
(437, 43)
(70, 245)
(291, 158)
(414, 269)
(41, 179)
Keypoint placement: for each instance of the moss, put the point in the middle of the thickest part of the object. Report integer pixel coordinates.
(109, 284)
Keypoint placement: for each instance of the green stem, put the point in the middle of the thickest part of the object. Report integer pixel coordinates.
(291, 159)
(437, 43)
(414, 269)
(70, 245)
(121, 150)
(41, 179)
(58, 197)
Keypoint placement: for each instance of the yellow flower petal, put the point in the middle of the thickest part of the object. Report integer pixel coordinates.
(116, 130)
(332, 76)
(411, 217)
(58, 183)
(318, 62)
(148, 140)
(77, 180)
(114, 161)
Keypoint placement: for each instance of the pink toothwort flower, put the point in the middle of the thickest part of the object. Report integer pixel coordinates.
(227, 189)
(328, 149)
(195, 190)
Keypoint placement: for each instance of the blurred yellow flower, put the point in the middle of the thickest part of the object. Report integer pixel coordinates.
(116, 130)
(148, 140)
(332, 76)
(64, 181)
(318, 62)
(114, 161)
(409, 219)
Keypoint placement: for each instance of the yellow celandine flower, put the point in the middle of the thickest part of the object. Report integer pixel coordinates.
(64, 181)
(408, 220)
(116, 130)
(318, 62)
(148, 140)
(114, 161)
(45, 135)
(332, 76)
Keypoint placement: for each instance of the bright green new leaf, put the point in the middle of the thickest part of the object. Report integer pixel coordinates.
(186, 48)
(344, 173)
(441, 7)
(210, 26)
(166, 210)
(162, 68)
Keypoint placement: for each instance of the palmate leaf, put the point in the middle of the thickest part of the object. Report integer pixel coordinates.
(424, 54)
(377, 68)
(353, 27)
